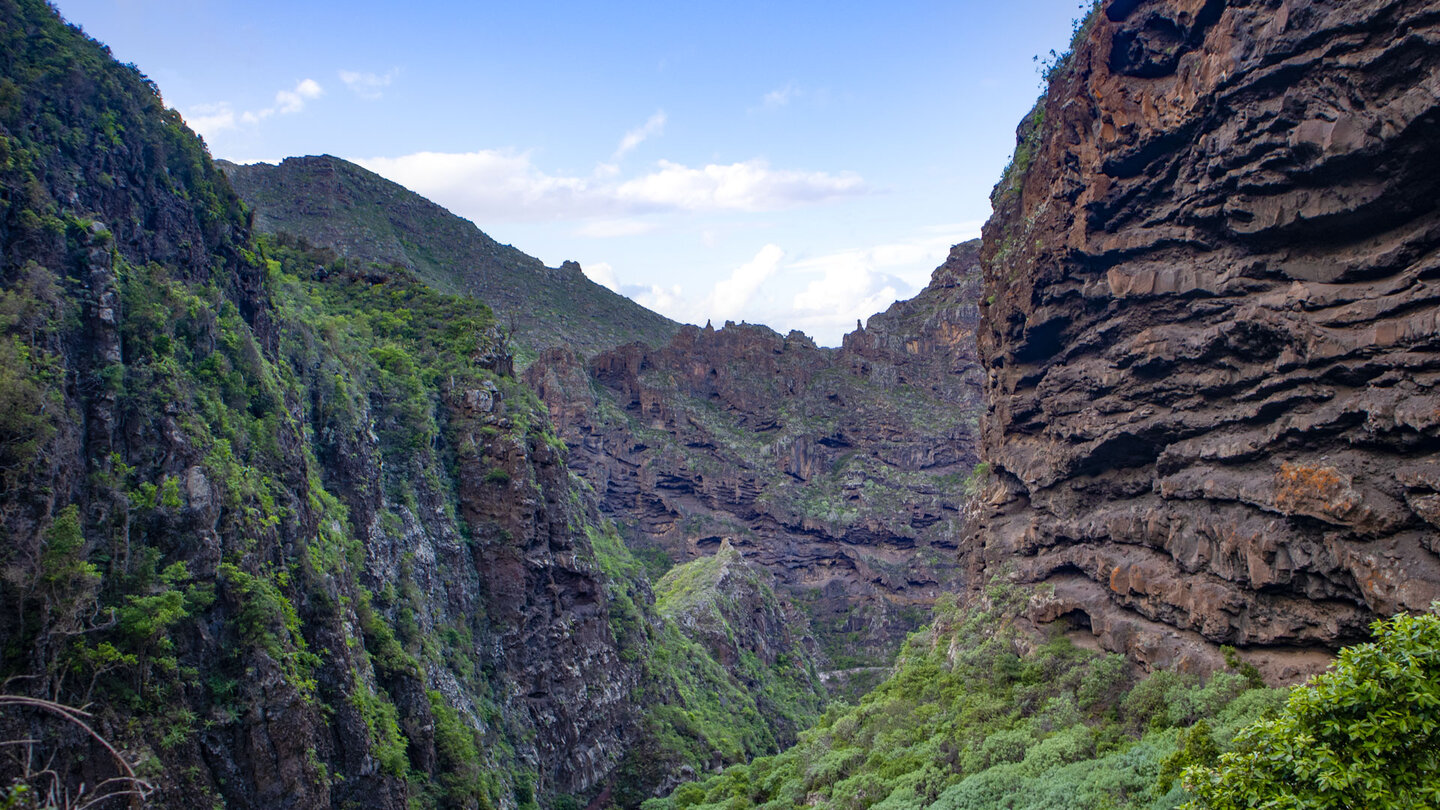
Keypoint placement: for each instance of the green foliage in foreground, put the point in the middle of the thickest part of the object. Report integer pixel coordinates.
(975, 716)
(1364, 734)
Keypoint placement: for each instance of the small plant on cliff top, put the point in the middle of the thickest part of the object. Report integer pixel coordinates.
(975, 481)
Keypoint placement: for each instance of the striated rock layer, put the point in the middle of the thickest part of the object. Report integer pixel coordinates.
(1211, 334)
(840, 470)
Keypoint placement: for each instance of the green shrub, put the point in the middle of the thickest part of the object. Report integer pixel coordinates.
(1366, 733)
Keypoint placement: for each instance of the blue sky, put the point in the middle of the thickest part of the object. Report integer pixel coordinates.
(798, 164)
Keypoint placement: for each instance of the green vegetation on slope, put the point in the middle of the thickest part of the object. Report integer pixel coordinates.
(700, 713)
(243, 479)
(975, 716)
(189, 479)
(729, 606)
(332, 203)
(350, 353)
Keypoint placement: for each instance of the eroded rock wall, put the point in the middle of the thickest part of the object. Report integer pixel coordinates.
(1211, 334)
(840, 470)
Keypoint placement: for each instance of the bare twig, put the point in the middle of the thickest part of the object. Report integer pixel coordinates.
(127, 785)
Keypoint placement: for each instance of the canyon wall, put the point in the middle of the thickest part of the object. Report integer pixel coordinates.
(1210, 331)
(287, 523)
(840, 470)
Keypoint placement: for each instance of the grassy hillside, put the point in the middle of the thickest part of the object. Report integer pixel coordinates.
(332, 203)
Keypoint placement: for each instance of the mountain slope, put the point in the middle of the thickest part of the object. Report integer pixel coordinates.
(977, 715)
(1212, 351)
(332, 203)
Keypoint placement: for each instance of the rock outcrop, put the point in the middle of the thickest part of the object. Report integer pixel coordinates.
(1212, 338)
(729, 605)
(840, 470)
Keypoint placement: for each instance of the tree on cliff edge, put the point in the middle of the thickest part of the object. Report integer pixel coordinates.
(1365, 734)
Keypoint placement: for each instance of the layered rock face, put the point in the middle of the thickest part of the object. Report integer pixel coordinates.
(840, 470)
(1211, 334)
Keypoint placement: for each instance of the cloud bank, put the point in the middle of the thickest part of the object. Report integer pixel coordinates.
(834, 289)
(498, 185)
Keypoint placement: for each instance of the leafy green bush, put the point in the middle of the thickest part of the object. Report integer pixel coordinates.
(1366, 733)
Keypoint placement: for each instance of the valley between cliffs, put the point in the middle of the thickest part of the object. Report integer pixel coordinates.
(301, 521)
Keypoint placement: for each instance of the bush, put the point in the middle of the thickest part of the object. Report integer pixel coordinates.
(1364, 734)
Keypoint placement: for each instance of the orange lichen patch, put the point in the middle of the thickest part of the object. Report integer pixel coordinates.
(1306, 489)
(1115, 584)
(1297, 482)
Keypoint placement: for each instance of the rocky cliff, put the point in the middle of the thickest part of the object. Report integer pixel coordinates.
(1211, 336)
(332, 203)
(285, 522)
(840, 470)
(843, 470)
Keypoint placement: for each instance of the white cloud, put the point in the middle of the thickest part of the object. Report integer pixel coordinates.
(831, 305)
(369, 86)
(491, 185)
(912, 260)
(780, 97)
(293, 101)
(603, 274)
(212, 119)
(748, 186)
(607, 228)
(855, 284)
(668, 301)
(731, 295)
(823, 296)
(653, 126)
(506, 186)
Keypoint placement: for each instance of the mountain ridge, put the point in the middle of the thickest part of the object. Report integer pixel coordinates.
(333, 203)
(911, 370)
(842, 470)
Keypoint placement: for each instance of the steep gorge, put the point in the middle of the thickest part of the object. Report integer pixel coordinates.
(292, 521)
(840, 470)
(1211, 335)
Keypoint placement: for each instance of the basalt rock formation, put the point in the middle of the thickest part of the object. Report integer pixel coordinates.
(840, 470)
(332, 203)
(1211, 339)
